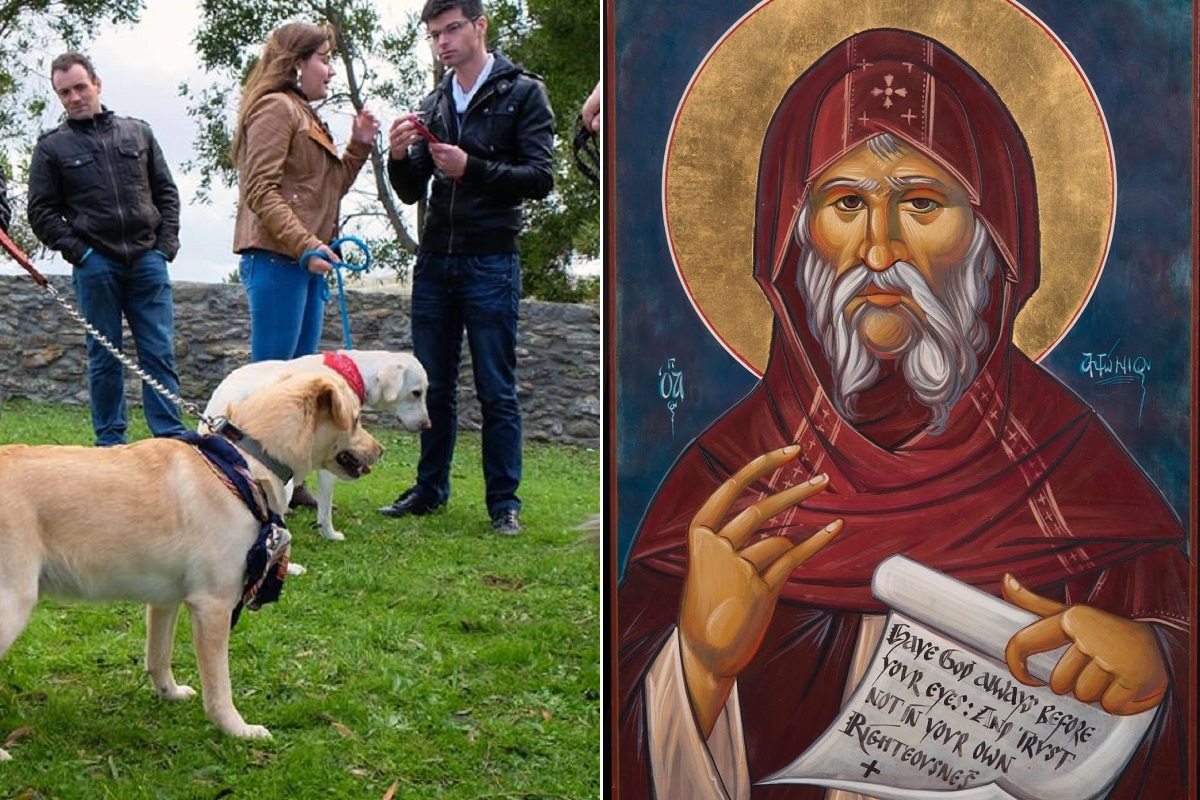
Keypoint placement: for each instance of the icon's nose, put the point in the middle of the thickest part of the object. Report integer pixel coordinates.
(882, 246)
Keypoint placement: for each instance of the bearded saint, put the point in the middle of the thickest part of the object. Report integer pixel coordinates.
(897, 239)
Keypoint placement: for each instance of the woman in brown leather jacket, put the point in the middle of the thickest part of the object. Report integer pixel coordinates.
(291, 180)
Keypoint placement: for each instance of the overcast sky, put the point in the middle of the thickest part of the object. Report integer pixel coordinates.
(141, 68)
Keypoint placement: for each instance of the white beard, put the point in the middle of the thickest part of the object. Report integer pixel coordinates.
(939, 362)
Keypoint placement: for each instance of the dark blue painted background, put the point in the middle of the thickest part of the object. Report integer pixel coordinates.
(1137, 55)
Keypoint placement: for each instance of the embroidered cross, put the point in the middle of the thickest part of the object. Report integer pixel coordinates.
(909, 116)
(864, 64)
(909, 65)
(863, 118)
(888, 91)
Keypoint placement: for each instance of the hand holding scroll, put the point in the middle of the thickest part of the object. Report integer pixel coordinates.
(1112, 660)
(730, 590)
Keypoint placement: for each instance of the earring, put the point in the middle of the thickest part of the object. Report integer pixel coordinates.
(298, 74)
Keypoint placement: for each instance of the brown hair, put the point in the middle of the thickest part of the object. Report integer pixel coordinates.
(472, 9)
(69, 59)
(276, 68)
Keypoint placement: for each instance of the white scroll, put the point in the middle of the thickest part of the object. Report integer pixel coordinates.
(938, 714)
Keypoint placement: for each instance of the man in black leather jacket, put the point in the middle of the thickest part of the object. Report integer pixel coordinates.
(101, 194)
(485, 137)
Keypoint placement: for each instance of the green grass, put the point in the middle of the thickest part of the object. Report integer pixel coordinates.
(428, 653)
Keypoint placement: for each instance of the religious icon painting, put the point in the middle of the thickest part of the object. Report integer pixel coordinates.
(901, 328)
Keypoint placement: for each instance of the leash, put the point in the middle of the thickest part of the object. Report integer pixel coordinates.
(220, 425)
(23, 260)
(338, 266)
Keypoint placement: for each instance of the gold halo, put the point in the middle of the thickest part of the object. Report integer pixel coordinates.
(711, 168)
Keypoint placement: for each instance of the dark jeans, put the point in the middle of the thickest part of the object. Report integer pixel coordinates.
(287, 305)
(480, 294)
(107, 288)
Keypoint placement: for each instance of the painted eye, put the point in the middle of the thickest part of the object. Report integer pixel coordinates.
(923, 204)
(849, 203)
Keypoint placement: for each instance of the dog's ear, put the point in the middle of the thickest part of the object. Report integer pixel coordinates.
(390, 381)
(343, 407)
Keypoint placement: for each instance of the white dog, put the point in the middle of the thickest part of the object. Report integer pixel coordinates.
(153, 522)
(385, 381)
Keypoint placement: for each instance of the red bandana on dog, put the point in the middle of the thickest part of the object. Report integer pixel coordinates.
(343, 365)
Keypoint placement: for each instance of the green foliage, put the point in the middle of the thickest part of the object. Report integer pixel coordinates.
(428, 653)
(559, 40)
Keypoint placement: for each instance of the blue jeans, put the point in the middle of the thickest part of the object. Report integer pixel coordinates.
(482, 295)
(107, 288)
(287, 305)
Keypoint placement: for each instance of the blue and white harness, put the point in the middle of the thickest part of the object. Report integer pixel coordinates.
(267, 561)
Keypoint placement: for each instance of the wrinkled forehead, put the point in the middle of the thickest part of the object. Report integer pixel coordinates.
(886, 163)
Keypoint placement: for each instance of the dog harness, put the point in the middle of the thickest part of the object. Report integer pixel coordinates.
(344, 365)
(267, 561)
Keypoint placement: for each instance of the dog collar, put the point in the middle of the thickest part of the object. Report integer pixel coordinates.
(253, 448)
(344, 365)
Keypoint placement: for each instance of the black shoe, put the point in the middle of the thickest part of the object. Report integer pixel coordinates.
(410, 502)
(506, 522)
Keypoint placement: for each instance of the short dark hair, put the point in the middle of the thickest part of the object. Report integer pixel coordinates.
(69, 59)
(472, 9)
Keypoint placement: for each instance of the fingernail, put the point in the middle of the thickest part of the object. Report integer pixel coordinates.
(791, 448)
(833, 526)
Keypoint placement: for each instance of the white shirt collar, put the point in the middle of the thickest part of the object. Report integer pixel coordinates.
(463, 98)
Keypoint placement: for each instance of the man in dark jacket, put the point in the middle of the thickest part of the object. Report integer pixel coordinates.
(487, 140)
(101, 194)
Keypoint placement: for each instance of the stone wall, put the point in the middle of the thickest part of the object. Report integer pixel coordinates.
(558, 352)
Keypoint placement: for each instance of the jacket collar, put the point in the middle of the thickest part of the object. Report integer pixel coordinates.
(503, 70)
(101, 120)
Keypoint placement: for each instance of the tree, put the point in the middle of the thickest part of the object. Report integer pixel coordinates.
(29, 30)
(386, 59)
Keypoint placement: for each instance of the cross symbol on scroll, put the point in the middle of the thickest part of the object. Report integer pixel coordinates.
(869, 768)
(888, 91)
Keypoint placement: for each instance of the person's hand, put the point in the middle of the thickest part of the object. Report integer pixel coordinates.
(322, 264)
(1112, 660)
(364, 128)
(401, 135)
(591, 111)
(450, 159)
(730, 590)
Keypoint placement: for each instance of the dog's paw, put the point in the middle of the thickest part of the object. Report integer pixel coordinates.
(177, 692)
(333, 535)
(251, 732)
(295, 569)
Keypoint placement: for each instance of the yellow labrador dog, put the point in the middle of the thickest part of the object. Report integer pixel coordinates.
(152, 522)
(394, 382)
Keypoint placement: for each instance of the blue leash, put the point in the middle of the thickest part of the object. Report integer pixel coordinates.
(338, 266)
